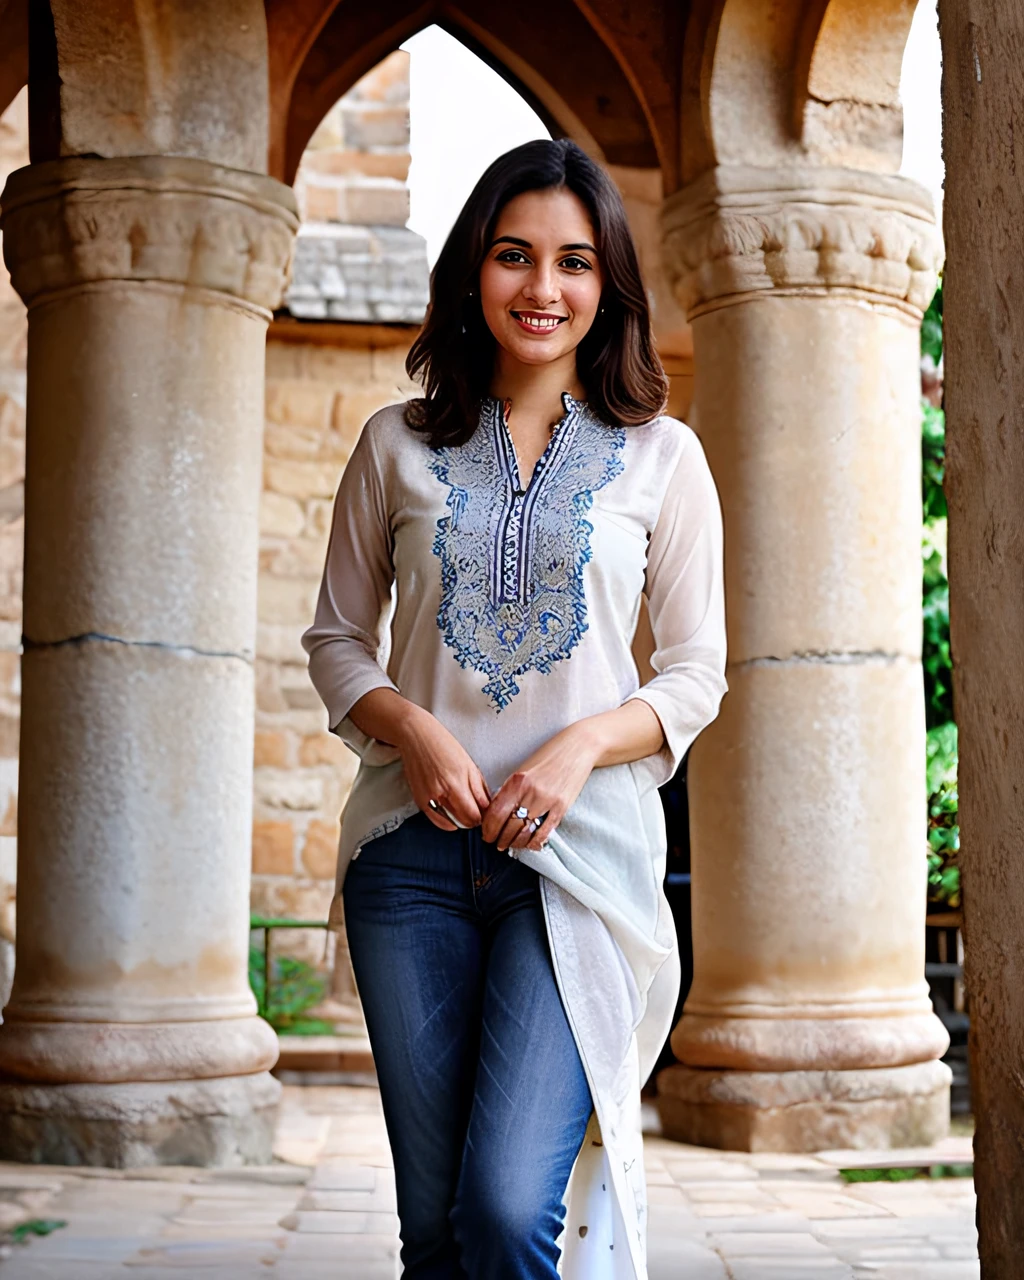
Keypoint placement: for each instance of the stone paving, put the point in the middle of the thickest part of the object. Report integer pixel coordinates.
(325, 1209)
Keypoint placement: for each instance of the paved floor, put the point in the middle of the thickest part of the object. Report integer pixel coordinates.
(325, 1209)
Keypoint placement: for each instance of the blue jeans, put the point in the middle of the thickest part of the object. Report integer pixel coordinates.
(484, 1094)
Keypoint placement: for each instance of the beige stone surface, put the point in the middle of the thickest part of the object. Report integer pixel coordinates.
(273, 849)
(805, 289)
(326, 1211)
(318, 397)
(798, 1111)
(808, 410)
(143, 836)
(800, 795)
(320, 852)
(190, 81)
(219, 1122)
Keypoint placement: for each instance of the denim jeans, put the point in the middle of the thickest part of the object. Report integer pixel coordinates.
(484, 1094)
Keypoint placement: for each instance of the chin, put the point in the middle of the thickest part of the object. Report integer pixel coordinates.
(532, 351)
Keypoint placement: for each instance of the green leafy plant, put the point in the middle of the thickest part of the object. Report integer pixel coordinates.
(35, 1227)
(941, 759)
(907, 1174)
(295, 988)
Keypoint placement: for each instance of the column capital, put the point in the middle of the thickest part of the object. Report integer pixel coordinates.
(740, 232)
(171, 219)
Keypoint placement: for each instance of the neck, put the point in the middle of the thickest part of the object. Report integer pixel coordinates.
(536, 388)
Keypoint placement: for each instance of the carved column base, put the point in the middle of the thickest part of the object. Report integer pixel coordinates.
(223, 1122)
(805, 1110)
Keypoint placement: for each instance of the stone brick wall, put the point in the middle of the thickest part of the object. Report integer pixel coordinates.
(357, 163)
(323, 382)
(355, 258)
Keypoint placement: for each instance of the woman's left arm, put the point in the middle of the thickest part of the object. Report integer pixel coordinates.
(659, 722)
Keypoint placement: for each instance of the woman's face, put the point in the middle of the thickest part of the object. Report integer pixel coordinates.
(541, 282)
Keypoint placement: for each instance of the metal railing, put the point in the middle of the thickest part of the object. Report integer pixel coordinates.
(268, 924)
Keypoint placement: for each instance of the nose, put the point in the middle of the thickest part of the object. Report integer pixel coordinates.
(541, 287)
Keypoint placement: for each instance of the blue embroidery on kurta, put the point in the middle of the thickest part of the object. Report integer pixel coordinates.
(512, 594)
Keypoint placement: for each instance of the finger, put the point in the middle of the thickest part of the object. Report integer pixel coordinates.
(438, 819)
(509, 832)
(543, 832)
(498, 812)
(522, 840)
(480, 792)
(461, 805)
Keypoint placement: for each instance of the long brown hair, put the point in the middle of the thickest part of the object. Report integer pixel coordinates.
(453, 355)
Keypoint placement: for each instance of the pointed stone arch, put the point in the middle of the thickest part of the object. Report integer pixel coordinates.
(571, 77)
(13, 50)
(811, 82)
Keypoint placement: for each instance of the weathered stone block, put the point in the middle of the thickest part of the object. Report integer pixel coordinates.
(273, 849)
(292, 440)
(805, 1110)
(280, 641)
(299, 403)
(287, 599)
(378, 203)
(320, 850)
(289, 789)
(301, 479)
(223, 1122)
(324, 748)
(367, 126)
(280, 516)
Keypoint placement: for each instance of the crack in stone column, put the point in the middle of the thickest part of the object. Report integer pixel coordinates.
(87, 637)
(835, 658)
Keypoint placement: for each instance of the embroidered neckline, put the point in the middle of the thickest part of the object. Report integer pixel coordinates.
(512, 559)
(502, 409)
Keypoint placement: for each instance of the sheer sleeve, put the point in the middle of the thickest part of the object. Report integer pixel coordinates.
(685, 596)
(348, 636)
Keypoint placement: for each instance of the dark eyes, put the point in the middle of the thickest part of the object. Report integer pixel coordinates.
(571, 263)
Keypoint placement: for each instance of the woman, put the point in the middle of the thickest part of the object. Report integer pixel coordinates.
(490, 547)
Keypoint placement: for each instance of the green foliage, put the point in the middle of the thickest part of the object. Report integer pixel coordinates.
(35, 1227)
(907, 1174)
(943, 828)
(295, 987)
(931, 328)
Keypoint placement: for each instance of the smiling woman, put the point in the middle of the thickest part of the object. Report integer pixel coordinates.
(544, 232)
(515, 515)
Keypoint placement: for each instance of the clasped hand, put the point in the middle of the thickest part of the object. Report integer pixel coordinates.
(439, 769)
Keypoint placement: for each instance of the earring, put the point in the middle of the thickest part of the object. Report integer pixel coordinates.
(602, 310)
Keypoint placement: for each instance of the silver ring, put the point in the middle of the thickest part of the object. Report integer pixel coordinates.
(522, 813)
(533, 824)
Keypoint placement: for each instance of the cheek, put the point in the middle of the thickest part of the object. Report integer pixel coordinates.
(497, 289)
(583, 295)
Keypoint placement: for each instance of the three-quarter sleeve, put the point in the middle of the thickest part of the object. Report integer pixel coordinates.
(348, 634)
(685, 595)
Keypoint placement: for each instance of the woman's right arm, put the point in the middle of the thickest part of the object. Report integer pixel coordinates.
(344, 644)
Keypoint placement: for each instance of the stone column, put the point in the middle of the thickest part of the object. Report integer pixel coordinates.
(131, 1036)
(808, 1024)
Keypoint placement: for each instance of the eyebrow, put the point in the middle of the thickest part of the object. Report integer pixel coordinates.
(525, 244)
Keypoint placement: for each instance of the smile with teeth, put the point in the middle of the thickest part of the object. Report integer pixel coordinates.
(537, 321)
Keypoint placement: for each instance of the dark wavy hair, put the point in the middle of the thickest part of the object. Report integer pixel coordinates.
(453, 355)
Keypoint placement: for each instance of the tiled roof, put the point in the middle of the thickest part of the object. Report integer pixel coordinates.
(345, 272)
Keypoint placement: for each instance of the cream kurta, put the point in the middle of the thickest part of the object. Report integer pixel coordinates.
(508, 611)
